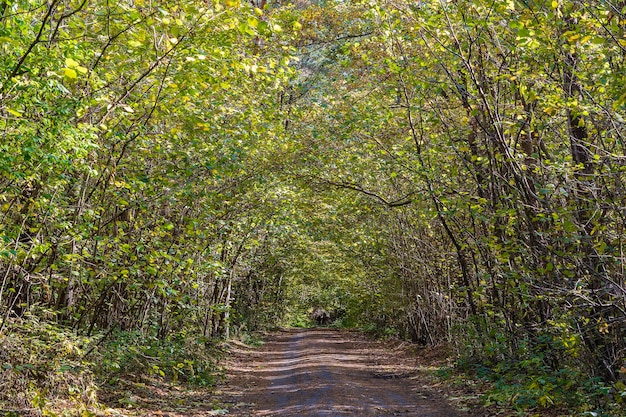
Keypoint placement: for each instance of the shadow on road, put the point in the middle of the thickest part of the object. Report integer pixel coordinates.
(326, 372)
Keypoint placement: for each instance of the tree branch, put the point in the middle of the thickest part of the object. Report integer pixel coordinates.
(37, 39)
(403, 201)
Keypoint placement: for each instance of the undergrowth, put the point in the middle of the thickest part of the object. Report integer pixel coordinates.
(180, 358)
(41, 363)
(51, 369)
(541, 375)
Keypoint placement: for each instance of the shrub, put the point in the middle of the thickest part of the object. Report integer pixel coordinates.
(180, 358)
(40, 362)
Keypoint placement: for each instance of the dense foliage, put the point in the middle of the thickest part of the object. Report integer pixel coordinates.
(491, 135)
(172, 173)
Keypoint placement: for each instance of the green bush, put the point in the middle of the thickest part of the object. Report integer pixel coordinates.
(542, 372)
(41, 362)
(179, 358)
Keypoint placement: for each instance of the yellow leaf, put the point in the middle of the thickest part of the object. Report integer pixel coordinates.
(70, 63)
(14, 112)
(603, 327)
(573, 37)
(70, 73)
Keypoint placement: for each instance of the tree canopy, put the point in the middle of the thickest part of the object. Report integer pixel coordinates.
(441, 171)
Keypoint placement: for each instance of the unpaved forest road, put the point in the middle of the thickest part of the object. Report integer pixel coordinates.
(324, 372)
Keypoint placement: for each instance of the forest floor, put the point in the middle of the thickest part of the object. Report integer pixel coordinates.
(316, 372)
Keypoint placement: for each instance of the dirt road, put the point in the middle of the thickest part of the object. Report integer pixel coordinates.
(324, 372)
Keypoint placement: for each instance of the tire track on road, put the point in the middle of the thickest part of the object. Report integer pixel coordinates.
(331, 373)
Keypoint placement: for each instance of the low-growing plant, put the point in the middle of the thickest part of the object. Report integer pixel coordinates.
(41, 362)
(541, 373)
(179, 358)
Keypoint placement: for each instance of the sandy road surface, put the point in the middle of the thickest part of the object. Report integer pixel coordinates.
(327, 373)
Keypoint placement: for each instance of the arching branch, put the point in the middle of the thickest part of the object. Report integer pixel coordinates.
(402, 201)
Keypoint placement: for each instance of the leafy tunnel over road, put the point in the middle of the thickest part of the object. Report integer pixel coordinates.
(323, 372)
